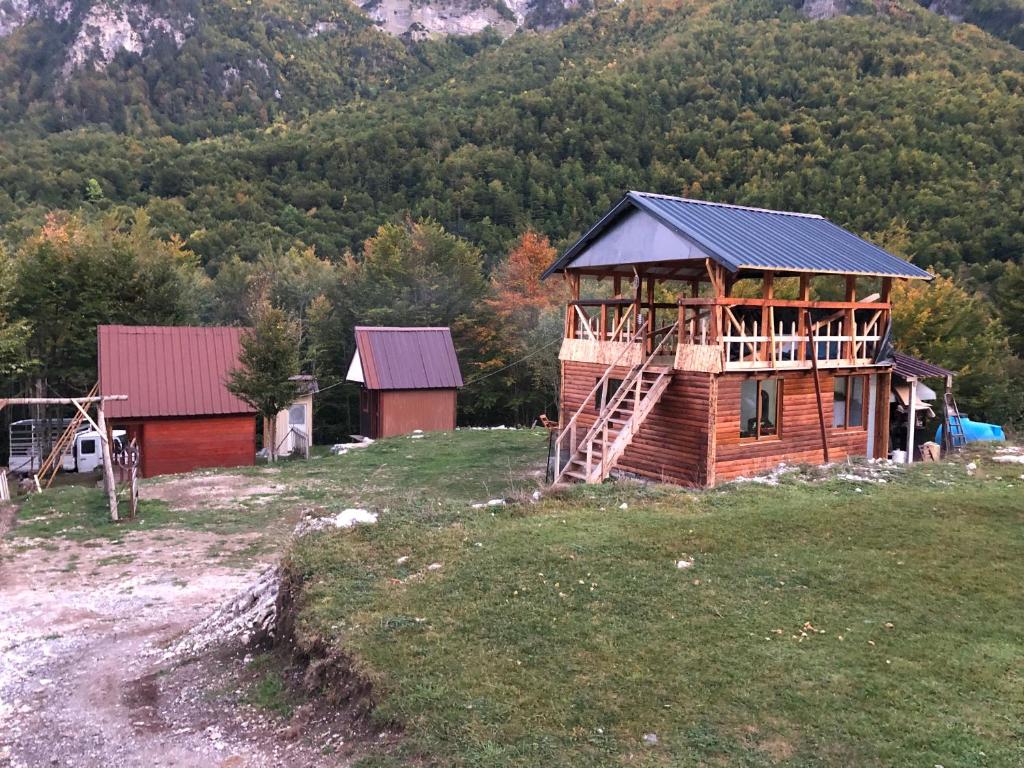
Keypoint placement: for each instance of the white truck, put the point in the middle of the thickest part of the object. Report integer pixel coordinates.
(31, 440)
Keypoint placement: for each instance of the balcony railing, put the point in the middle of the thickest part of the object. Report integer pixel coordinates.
(732, 333)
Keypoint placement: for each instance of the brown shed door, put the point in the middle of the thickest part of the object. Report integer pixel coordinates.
(366, 413)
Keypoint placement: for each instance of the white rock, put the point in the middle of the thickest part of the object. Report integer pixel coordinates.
(1009, 459)
(495, 502)
(434, 567)
(402, 560)
(535, 496)
(623, 505)
(681, 564)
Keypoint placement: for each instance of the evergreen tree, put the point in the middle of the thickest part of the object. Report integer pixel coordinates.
(269, 358)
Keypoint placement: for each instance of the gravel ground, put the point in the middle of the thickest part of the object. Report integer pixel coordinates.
(85, 678)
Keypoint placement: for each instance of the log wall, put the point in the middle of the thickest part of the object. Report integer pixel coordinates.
(672, 444)
(799, 440)
(686, 441)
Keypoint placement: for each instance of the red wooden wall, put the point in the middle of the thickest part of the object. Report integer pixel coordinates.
(401, 411)
(182, 444)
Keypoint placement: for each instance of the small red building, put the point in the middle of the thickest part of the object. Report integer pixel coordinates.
(179, 408)
(409, 378)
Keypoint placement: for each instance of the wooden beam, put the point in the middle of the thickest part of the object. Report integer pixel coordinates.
(817, 388)
(743, 302)
(58, 400)
(849, 318)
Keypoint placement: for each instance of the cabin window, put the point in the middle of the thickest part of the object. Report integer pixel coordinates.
(848, 402)
(88, 447)
(297, 415)
(613, 387)
(759, 408)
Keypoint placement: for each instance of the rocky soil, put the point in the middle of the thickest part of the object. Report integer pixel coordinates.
(93, 670)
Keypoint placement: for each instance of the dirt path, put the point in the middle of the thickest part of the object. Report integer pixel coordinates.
(83, 678)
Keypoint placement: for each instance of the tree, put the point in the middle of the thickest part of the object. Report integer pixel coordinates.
(413, 273)
(269, 358)
(13, 333)
(1008, 297)
(73, 275)
(528, 316)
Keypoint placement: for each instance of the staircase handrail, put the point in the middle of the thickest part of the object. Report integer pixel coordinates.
(601, 422)
(636, 337)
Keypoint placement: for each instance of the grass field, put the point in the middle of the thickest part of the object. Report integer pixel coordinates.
(823, 621)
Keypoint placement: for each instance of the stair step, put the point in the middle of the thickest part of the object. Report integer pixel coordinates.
(576, 475)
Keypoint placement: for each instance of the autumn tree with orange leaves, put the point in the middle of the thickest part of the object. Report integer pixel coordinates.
(527, 314)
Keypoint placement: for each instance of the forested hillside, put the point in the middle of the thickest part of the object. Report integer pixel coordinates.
(895, 123)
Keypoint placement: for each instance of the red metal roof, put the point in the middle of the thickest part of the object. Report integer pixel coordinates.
(907, 366)
(168, 371)
(407, 358)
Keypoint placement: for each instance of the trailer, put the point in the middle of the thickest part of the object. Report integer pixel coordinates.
(32, 440)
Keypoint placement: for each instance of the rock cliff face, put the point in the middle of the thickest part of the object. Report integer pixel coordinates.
(418, 18)
(101, 29)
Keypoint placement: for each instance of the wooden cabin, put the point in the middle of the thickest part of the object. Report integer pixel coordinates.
(704, 342)
(179, 409)
(409, 380)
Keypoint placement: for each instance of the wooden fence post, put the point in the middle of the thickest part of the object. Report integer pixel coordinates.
(109, 485)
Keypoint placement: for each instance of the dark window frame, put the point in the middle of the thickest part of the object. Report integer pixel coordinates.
(776, 433)
(865, 384)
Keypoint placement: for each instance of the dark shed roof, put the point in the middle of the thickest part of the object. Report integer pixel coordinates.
(168, 371)
(737, 237)
(407, 358)
(907, 366)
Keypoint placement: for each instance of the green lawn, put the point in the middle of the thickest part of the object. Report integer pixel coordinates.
(823, 621)
(818, 625)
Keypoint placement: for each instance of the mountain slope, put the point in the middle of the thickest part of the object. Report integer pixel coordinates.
(185, 67)
(901, 126)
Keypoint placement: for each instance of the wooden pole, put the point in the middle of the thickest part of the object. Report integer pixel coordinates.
(817, 387)
(58, 400)
(108, 462)
(911, 420)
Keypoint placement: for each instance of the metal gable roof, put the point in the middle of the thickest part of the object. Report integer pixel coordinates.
(169, 371)
(741, 238)
(406, 358)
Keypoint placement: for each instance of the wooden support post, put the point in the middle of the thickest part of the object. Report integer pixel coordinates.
(850, 321)
(884, 388)
(805, 295)
(617, 287)
(911, 419)
(817, 387)
(651, 314)
(767, 293)
(108, 462)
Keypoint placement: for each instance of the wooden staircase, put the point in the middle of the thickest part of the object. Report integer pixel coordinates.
(593, 457)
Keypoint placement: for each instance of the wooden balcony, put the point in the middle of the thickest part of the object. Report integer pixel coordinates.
(728, 333)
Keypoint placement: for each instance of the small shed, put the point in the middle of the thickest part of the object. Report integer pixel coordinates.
(179, 409)
(911, 403)
(294, 425)
(408, 380)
